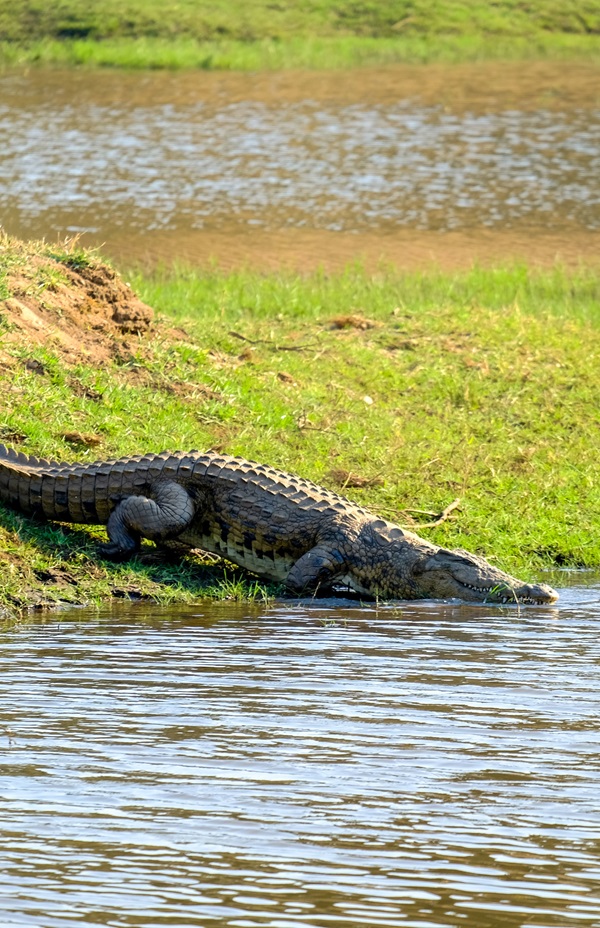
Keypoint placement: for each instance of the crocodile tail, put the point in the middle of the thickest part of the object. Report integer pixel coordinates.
(21, 479)
(8, 456)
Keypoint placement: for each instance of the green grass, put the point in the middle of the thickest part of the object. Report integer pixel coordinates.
(310, 53)
(185, 292)
(483, 386)
(479, 385)
(323, 33)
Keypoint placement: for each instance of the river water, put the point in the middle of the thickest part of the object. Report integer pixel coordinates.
(425, 765)
(194, 165)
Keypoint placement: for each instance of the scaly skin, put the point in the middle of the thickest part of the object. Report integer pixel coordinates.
(276, 525)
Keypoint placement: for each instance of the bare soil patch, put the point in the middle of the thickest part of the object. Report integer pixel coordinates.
(78, 306)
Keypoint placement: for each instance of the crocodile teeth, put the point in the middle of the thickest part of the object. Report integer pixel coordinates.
(487, 590)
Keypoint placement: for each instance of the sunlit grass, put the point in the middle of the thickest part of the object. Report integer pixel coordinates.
(232, 34)
(304, 52)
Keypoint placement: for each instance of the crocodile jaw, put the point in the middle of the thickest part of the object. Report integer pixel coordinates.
(458, 574)
(517, 593)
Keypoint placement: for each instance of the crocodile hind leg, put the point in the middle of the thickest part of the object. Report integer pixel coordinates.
(314, 570)
(165, 515)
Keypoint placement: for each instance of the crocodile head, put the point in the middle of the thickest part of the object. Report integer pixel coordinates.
(393, 563)
(458, 574)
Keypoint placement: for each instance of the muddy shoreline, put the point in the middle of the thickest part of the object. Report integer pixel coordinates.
(308, 250)
(487, 86)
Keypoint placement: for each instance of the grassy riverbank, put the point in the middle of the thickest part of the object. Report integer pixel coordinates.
(259, 35)
(405, 392)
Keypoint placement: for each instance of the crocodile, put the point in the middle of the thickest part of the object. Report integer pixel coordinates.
(276, 525)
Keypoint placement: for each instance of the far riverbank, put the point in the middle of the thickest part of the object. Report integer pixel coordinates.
(264, 36)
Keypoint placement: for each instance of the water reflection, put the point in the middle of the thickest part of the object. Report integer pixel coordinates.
(430, 765)
(114, 164)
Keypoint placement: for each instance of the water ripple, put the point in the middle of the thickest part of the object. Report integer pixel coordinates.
(423, 765)
(342, 167)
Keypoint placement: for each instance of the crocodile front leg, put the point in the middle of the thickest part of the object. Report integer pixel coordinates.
(166, 515)
(317, 568)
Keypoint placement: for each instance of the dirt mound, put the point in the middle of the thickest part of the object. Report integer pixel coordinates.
(68, 301)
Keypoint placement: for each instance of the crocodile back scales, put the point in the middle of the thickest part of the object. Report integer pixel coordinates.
(87, 493)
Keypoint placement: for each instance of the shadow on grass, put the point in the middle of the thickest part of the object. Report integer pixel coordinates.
(52, 563)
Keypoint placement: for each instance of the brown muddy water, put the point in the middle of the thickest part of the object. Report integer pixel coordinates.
(415, 165)
(426, 765)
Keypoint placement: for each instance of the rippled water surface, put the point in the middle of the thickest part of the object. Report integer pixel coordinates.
(77, 156)
(293, 766)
